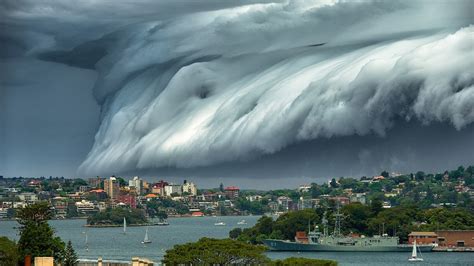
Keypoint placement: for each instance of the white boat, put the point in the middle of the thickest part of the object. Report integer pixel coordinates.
(146, 240)
(414, 257)
(219, 223)
(161, 222)
(242, 222)
(86, 241)
(124, 225)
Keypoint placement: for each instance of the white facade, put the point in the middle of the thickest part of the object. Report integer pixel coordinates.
(304, 188)
(136, 183)
(85, 206)
(190, 188)
(28, 197)
(254, 198)
(284, 202)
(3, 213)
(170, 189)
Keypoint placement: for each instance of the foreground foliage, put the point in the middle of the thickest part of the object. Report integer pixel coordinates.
(209, 251)
(8, 252)
(36, 236)
(69, 257)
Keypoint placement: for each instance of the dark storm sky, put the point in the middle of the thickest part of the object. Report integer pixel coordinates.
(235, 92)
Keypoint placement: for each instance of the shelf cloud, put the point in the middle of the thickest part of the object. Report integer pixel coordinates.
(185, 86)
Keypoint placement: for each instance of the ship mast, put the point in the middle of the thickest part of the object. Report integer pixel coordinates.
(337, 223)
(325, 224)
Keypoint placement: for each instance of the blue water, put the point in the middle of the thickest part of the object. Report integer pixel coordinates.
(112, 244)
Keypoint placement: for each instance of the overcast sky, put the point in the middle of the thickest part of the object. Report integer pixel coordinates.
(259, 95)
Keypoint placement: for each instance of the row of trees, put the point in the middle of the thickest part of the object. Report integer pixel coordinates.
(115, 216)
(253, 207)
(36, 239)
(357, 218)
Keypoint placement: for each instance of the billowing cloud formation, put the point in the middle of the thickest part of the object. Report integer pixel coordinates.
(237, 83)
(216, 82)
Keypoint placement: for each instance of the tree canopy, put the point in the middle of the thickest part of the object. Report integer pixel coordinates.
(115, 217)
(69, 257)
(8, 252)
(208, 251)
(36, 236)
(285, 227)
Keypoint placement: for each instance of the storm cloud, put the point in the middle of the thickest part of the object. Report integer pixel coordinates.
(209, 84)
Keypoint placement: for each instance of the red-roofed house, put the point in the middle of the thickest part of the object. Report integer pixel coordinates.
(100, 194)
(128, 199)
(197, 214)
(159, 188)
(232, 192)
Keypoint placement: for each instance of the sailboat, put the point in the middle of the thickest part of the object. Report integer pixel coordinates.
(242, 222)
(124, 226)
(219, 223)
(87, 243)
(414, 257)
(146, 240)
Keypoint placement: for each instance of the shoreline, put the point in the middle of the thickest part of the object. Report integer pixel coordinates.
(115, 225)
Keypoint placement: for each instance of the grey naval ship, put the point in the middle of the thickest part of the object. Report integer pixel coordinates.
(322, 241)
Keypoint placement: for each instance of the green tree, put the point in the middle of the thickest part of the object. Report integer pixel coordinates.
(208, 251)
(357, 216)
(71, 211)
(8, 252)
(162, 215)
(115, 216)
(420, 175)
(235, 233)
(376, 206)
(69, 257)
(289, 223)
(264, 225)
(122, 182)
(36, 236)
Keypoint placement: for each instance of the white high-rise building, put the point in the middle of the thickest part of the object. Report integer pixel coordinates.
(189, 188)
(136, 183)
(171, 188)
(112, 187)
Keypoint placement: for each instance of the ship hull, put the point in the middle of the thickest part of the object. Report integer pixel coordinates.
(280, 245)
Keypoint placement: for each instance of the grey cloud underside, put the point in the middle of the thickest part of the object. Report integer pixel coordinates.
(234, 84)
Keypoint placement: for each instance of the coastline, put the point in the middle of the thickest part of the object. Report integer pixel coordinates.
(115, 225)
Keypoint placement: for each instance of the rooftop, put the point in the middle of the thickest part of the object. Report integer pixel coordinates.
(422, 234)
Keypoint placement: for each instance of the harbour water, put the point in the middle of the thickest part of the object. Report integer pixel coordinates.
(113, 244)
